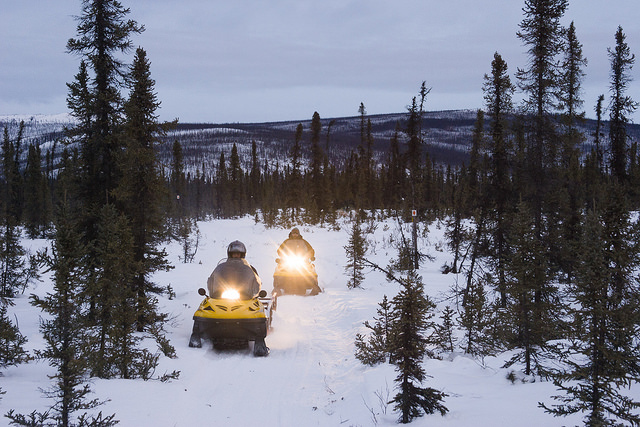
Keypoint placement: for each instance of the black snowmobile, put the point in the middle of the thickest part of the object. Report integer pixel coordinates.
(295, 275)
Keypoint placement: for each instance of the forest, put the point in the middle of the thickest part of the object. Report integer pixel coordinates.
(541, 215)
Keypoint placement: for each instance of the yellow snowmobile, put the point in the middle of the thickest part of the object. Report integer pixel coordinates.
(231, 320)
(295, 275)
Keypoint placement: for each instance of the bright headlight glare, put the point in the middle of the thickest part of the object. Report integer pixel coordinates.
(293, 261)
(230, 294)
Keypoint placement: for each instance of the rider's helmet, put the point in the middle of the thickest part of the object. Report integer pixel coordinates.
(236, 247)
(295, 233)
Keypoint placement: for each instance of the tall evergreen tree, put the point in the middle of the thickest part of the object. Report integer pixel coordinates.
(141, 190)
(254, 178)
(394, 189)
(236, 184)
(36, 195)
(12, 184)
(498, 92)
(222, 187)
(294, 199)
(103, 33)
(621, 106)
(542, 34)
(571, 102)
(318, 190)
(414, 156)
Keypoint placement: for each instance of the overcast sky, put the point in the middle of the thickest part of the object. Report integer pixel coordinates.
(254, 61)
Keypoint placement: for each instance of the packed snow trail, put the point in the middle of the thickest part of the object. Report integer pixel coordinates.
(310, 378)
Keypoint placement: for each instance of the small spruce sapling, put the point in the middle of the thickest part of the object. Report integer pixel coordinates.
(374, 348)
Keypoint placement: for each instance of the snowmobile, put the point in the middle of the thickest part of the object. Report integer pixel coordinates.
(231, 320)
(295, 275)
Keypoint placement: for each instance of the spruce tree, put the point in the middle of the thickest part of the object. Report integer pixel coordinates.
(498, 92)
(542, 34)
(13, 266)
(294, 192)
(603, 355)
(621, 105)
(414, 157)
(476, 320)
(255, 177)
(412, 311)
(12, 184)
(115, 348)
(318, 189)
(222, 188)
(598, 134)
(376, 347)
(36, 215)
(526, 268)
(236, 184)
(141, 189)
(444, 334)
(355, 250)
(394, 190)
(12, 341)
(64, 332)
(572, 74)
(103, 36)
(15, 271)
(103, 33)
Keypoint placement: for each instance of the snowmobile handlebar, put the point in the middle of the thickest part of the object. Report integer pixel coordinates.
(203, 292)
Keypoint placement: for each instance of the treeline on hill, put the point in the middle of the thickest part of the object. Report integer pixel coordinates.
(542, 232)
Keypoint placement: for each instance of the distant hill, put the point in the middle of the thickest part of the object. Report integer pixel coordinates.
(447, 136)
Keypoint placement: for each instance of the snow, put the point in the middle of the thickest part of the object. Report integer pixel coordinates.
(311, 377)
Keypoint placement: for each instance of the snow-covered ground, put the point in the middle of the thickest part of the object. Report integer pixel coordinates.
(311, 377)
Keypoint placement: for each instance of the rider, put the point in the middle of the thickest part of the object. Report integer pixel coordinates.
(236, 273)
(296, 245)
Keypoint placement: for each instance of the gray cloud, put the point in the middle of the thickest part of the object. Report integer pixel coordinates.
(247, 60)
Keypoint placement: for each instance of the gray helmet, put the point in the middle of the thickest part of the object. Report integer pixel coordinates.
(236, 247)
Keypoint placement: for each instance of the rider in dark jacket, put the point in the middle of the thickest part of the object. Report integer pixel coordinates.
(296, 245)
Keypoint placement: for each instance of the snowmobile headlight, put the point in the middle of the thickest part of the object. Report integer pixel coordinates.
(294, 262)
(230, 294)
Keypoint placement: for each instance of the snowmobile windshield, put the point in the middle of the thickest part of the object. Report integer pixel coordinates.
(234, 274)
